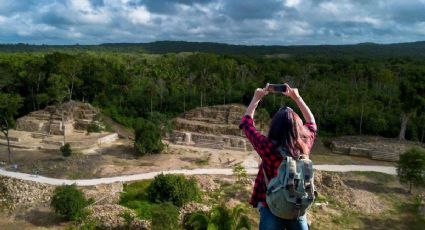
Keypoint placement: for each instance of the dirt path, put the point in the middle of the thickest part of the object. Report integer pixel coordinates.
(202, 171)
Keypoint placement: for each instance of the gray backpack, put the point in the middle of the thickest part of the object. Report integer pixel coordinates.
(291, 192)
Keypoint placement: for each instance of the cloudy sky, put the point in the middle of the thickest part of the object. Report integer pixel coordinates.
(279, 22)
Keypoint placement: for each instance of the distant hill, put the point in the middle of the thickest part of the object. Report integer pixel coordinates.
(410, 49)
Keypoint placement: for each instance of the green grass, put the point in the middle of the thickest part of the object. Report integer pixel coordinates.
(382, 178)
(346, 219)
(75, 175)
(134, 197)
(203, 161)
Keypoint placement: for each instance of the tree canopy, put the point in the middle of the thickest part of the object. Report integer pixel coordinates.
(348, 95)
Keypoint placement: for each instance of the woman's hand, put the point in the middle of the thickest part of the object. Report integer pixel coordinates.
(292, 92)
(260, 93)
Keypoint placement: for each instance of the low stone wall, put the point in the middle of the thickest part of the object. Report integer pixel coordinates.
(204, 127)
(15, 192)
(218, 114)
(364, 152)
(14, 139)
(20, 193)
(110, 217)
(107, 139)
(210, 141)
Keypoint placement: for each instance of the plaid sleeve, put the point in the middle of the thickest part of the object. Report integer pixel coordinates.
(312, 128)
(261, 143)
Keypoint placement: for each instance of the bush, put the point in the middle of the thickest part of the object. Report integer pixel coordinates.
(166, 216)
(163, 121)
(94, 128)
(240, 172)
(147, 137)
(69, 202)
(173, 188)
(128, 219)
(411, 167)
(220, 218)
(66, 150)
(196, 221)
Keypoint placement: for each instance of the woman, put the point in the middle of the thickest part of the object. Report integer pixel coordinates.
(286, 129)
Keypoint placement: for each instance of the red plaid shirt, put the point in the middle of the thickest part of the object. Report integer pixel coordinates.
(269, 154)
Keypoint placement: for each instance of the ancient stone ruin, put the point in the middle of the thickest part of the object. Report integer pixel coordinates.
(211, 127)
(65, 119)
(377, 148)
(51, 127)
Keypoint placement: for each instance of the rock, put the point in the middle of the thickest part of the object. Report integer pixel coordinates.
(232, 203)
(206, 183)
(104, 193)
(191, 208)
(15, 192)
(110, 216)
(331, 185)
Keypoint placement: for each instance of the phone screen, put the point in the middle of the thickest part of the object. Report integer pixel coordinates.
(278, 88)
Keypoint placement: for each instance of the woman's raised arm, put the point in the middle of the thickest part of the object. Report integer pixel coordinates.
(258, 95)
(305, 110)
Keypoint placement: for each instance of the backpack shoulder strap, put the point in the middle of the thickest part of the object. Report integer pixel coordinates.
(265, 176)
(283, 152)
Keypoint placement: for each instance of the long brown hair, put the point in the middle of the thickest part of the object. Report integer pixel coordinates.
(287, 130)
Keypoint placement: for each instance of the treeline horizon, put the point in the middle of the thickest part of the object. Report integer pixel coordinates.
(367, 49)
(348, 95)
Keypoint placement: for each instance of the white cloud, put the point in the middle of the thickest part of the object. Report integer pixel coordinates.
(292, 3)
(84, 12)
(2, 19)
(330, 7)
(299, 28)
(271, 24)
(247, 21)
(139, 15)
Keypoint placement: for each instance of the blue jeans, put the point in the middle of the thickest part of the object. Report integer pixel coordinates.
(268, 221)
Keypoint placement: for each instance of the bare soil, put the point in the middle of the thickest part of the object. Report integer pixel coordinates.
(119, 158)
(367, 201)
(33, 218)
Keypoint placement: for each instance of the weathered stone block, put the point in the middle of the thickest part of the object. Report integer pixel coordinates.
(29, 125)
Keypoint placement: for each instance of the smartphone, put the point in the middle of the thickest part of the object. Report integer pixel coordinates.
(277, 88)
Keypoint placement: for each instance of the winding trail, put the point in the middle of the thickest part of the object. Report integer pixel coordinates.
(200, 171)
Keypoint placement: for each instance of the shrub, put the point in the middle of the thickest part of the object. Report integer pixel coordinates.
(220, 218)
(173, 188)
(69, 202)
(411, 167)
(196, 221)
(66, 150)
(163, 121)
(128, 218)
(147, 137)
(240, 172)
(166, 216)
(94, 128)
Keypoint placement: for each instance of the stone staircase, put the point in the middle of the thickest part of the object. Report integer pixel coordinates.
(218, 114)
(214, 127)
